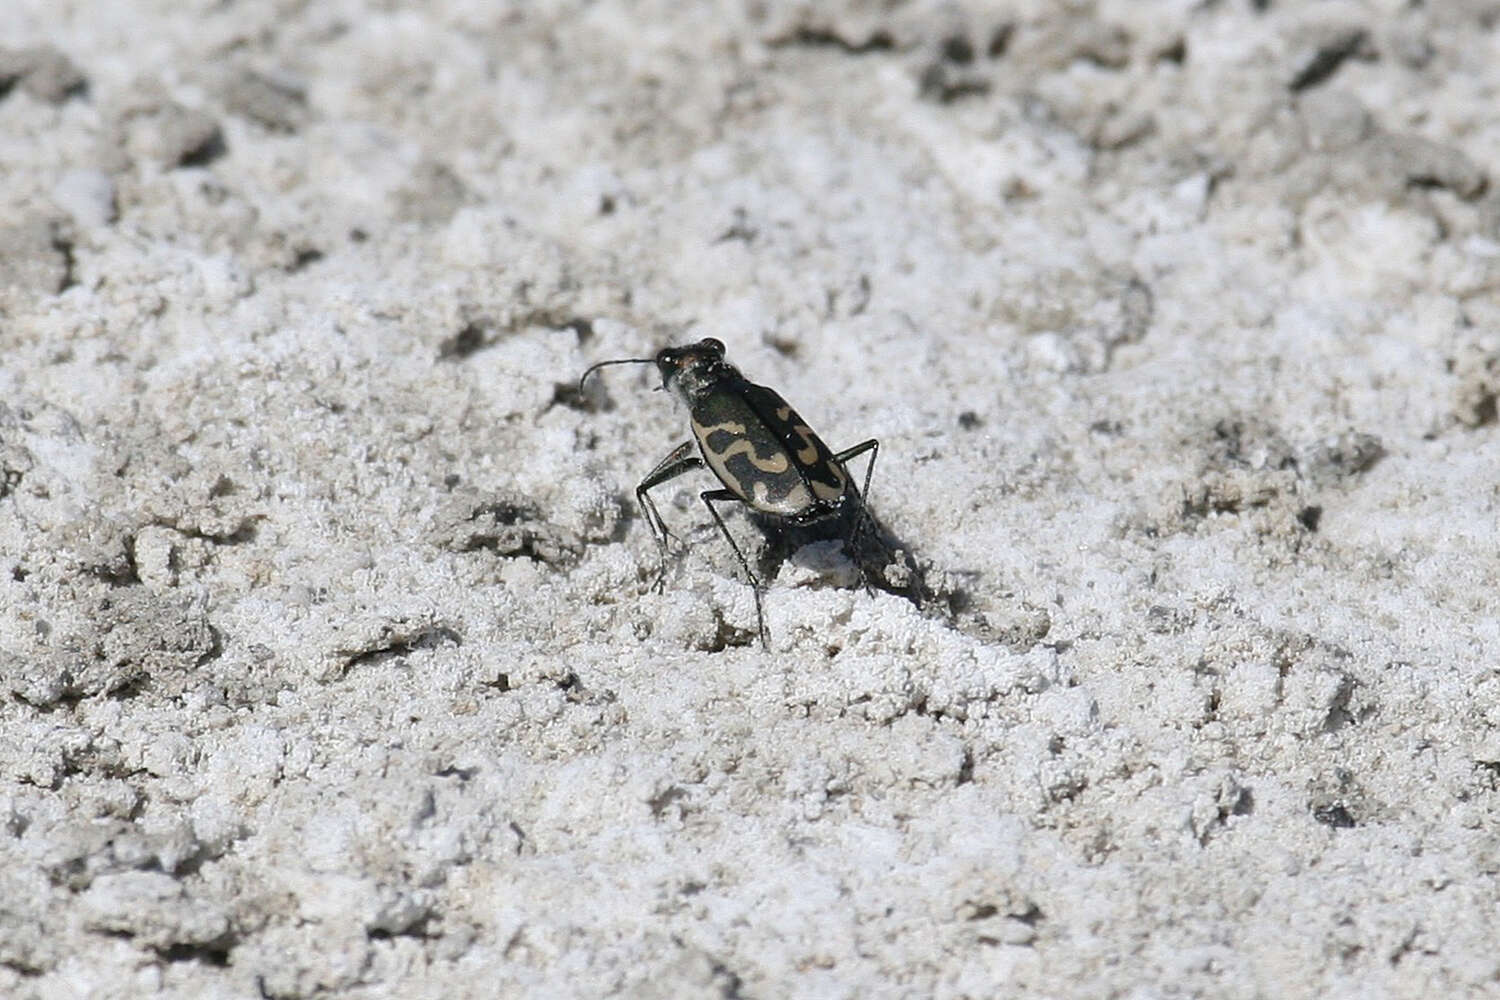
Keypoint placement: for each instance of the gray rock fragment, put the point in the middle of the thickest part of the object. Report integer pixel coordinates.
(1339, 456)
(506, 524)
(41, 71)
(34, 256)
(276, 102)
(1326, 49)
(154, 910)
(1425, 163)
(103, 639)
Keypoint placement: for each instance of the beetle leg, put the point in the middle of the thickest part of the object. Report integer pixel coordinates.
(709, 496)
(873, 447)
(862, 515)
(675, 464)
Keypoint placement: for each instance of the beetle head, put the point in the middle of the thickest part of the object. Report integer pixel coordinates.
(688, 370)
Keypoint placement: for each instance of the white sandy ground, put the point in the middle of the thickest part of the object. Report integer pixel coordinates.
(330, 662)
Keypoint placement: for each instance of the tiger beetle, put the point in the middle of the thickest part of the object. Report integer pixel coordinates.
(763, 453)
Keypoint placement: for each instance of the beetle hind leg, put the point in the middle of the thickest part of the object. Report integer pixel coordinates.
(873, 447)
(862, 517)
(709, 496)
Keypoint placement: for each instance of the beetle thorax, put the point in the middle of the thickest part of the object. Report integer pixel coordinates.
(691, 382)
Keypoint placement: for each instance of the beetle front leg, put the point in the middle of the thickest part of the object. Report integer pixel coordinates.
(682, 459)
(709, 496)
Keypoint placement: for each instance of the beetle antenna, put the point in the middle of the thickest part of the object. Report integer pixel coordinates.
(618, 361)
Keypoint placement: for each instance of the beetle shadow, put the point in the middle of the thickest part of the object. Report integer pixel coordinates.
(884, 561)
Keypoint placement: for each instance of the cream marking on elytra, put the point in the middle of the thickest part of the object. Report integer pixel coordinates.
(827, 492)
(775, 465)
(796, 499)
(808, 453)
(730, 426)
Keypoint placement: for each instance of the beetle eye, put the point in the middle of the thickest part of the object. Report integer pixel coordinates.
(717, 346)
